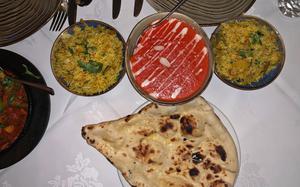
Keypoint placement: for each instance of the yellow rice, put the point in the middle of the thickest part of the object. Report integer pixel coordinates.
(245, 51)
(74, 51)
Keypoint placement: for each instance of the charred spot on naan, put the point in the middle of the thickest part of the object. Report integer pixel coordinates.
(190, 127)
(215, 168)
(175, 116)
(174, 139)
(128, 118)
(197, 157)
(206, 164)
(166, 126)
(142, 151)
(87, 128)
(209, 176)
(209, 165)
(182, 154)
(189, 146)
(143, 130)
(188, 124)
(149, 154)
(146, 132)
(174, 181)
(83, 133)
(217, 151)
(194, 172)
(170, 170)
(222, 153)
(148, 107)
(219, 183)
(92, 141)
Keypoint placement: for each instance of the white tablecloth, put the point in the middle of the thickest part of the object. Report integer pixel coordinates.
(267, 121)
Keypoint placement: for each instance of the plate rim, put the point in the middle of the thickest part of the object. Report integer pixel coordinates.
(216, 23)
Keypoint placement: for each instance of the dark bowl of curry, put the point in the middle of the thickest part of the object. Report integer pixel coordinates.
(248, 51)
(32, 105)
(170, 63)
(14, 108)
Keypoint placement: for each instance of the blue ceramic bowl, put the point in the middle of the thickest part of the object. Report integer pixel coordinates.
(268, 77)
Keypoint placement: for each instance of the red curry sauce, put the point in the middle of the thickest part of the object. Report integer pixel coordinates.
(13, 110)
(170, 62)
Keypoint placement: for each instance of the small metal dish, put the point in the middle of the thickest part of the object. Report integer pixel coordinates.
(92, 23)
(132, 42)
(268, 77)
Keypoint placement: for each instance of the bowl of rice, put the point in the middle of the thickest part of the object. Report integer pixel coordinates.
(87, 58)
(248, 51)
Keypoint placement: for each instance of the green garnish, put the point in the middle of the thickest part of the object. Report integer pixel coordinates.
(257, 62)
(1, 105)
(2, 138)
(239, 80)
(219, 36)
(11, 99)
(255, 38)
(71, 50)
(246, 53)
(7, 81)
(91, 66)
(242, 53)
(86, 48)
(2, 126)
(27, 72)
(93, 48)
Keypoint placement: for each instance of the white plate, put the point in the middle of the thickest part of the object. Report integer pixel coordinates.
(226, 124)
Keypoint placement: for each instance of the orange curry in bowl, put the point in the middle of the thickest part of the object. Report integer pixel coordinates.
(13, 110)
(171, 61)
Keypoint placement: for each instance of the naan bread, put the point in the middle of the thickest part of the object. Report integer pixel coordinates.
(168, 146)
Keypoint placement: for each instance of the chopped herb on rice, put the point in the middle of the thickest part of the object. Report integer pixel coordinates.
(245, 51)
(88, 61)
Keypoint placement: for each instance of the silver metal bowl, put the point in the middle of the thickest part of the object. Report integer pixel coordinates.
(132, 43)
(92, 23)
